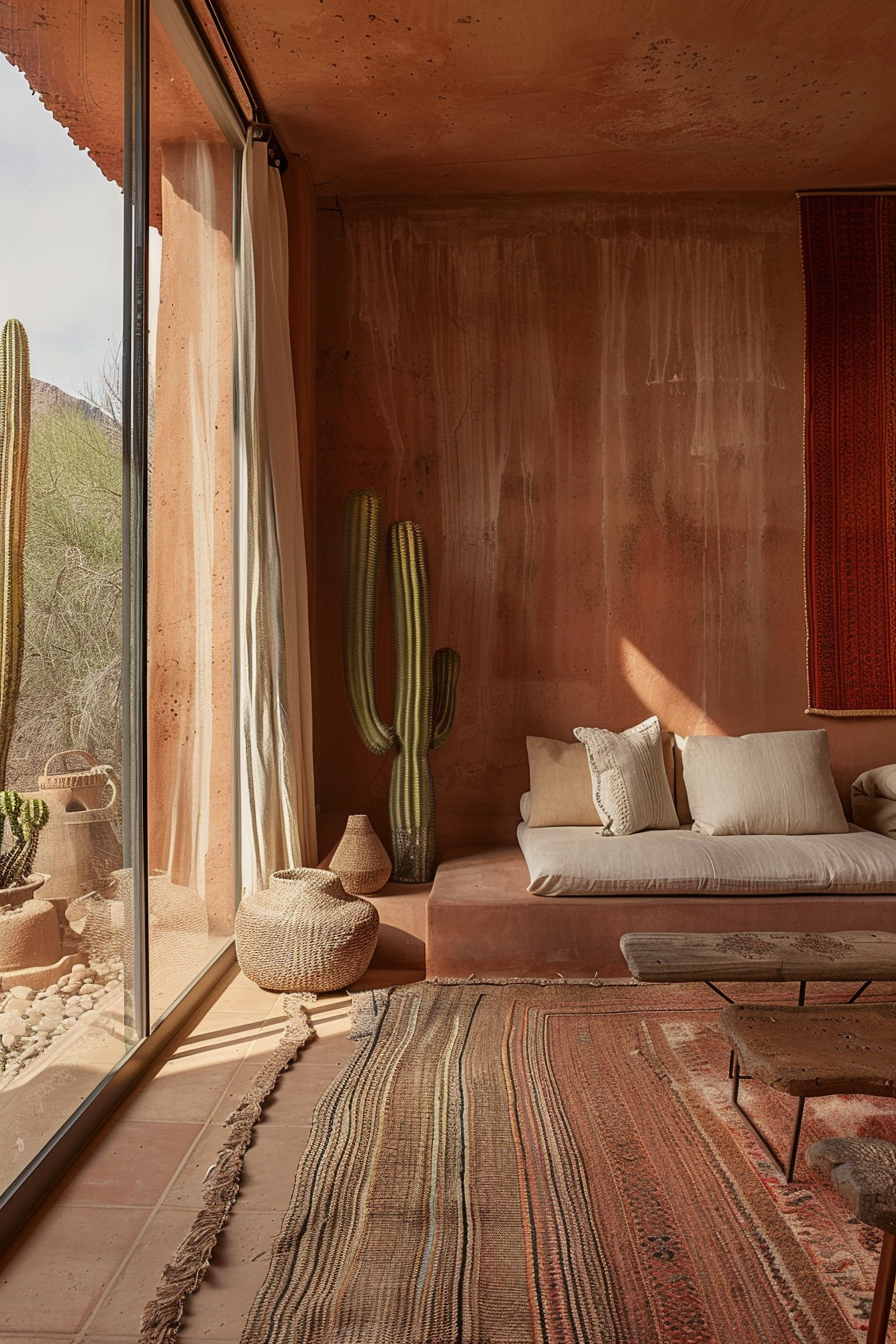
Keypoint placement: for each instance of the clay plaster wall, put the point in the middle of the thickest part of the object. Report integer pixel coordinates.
(594, 407)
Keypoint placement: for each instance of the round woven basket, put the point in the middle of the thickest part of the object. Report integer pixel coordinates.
(360, 861)
(303, 932)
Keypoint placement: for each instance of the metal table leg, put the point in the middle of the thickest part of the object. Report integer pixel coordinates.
(883, 1291)
(786, 1172)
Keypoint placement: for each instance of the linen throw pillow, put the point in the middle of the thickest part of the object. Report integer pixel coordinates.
(628, 778)
(763, 784)
(559, 784)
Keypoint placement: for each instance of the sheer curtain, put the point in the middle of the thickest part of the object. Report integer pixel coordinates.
(276, 771)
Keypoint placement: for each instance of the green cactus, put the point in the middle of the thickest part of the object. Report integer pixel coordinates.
(425, 693)
(27, 817)
(15, 428)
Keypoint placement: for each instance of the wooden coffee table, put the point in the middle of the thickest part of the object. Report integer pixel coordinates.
(670, 958)
(816, 1051)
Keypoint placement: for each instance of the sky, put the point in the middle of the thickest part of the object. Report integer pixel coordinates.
(60, 243)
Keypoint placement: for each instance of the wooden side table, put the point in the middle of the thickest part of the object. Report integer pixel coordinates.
(863, 1171)
(815, 1051)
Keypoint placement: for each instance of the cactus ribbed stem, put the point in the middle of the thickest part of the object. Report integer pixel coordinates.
(424, 690)
(360, 570)
(445, 672)
(15, 428)
(411, 802)
(27, 818)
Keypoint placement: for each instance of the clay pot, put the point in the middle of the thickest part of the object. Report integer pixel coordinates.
(29, 936)
(303, 932)
(360, 861)
(18, 895)
(79, 844)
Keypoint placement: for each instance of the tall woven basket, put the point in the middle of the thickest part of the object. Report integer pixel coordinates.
(360, 861)
(303, 932)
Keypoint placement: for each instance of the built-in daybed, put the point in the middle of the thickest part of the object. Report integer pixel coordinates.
(560, 901)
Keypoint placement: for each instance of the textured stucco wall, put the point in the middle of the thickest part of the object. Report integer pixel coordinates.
(594, 407)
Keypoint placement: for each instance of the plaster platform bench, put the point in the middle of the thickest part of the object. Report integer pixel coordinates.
(482, 921)
(675, 958)
(816, 1051)
(863, 1171)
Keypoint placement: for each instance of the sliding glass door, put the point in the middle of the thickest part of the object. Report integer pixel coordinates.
(116, 524)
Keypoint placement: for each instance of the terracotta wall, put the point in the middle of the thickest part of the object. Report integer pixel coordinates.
(594, 407)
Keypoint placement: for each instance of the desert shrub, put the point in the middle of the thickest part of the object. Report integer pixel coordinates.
(71, 675)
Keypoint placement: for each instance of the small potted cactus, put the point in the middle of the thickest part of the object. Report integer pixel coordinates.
(27, 818)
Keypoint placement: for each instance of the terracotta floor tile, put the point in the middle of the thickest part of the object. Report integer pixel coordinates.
(133, 1164)
(119, 1311)
(297, 1089)
(186, 1192)
(66, 1338)
(219, 1309)
(58, 1276)
(186, 1089)
(225, 1036)
(270, 1167)
(243, 994)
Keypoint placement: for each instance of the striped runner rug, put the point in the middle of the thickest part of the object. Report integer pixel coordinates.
(521, 1162)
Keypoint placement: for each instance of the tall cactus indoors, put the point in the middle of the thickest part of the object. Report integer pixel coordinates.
(15, 428)
(425, 693)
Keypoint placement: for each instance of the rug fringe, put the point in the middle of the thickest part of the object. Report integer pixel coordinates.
(182, 1276)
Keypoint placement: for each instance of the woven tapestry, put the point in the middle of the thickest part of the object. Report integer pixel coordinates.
(849, 266)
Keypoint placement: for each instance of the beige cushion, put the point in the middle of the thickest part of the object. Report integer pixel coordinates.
(874, 800)
(559, 784)
(679, 791)
(763, 784)
(628, 778)
(575, 861)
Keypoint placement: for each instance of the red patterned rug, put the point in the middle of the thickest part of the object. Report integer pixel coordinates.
(559, 1165)
(849, 265)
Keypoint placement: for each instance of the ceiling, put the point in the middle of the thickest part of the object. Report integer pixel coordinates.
(577, 95)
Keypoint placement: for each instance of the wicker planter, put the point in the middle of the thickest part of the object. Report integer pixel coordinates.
(303, 932)
(360, 861)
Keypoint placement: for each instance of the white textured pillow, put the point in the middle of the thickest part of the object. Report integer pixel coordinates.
(763, 784)
(628, 778)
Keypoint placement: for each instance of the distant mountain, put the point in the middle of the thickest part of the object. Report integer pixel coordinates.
(46, 397)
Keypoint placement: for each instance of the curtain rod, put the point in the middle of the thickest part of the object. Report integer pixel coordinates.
(216, 87)
(261, 126)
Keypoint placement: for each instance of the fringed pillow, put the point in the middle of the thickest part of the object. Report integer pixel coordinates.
(628, 778)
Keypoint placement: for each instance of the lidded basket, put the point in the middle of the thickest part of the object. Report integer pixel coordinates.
(360, 861)
(304, 932)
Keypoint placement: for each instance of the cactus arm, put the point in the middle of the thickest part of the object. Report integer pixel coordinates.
(27, 818)
(15, 428)
(360, 567)
(445, 671)
(411, 804)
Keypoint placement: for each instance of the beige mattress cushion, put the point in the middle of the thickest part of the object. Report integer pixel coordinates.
(579, 861)
(763, 784)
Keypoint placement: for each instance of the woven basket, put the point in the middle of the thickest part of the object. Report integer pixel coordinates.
(360, 861)
(303, 932)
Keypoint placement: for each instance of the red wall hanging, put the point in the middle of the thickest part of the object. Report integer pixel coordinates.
(849, 268)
